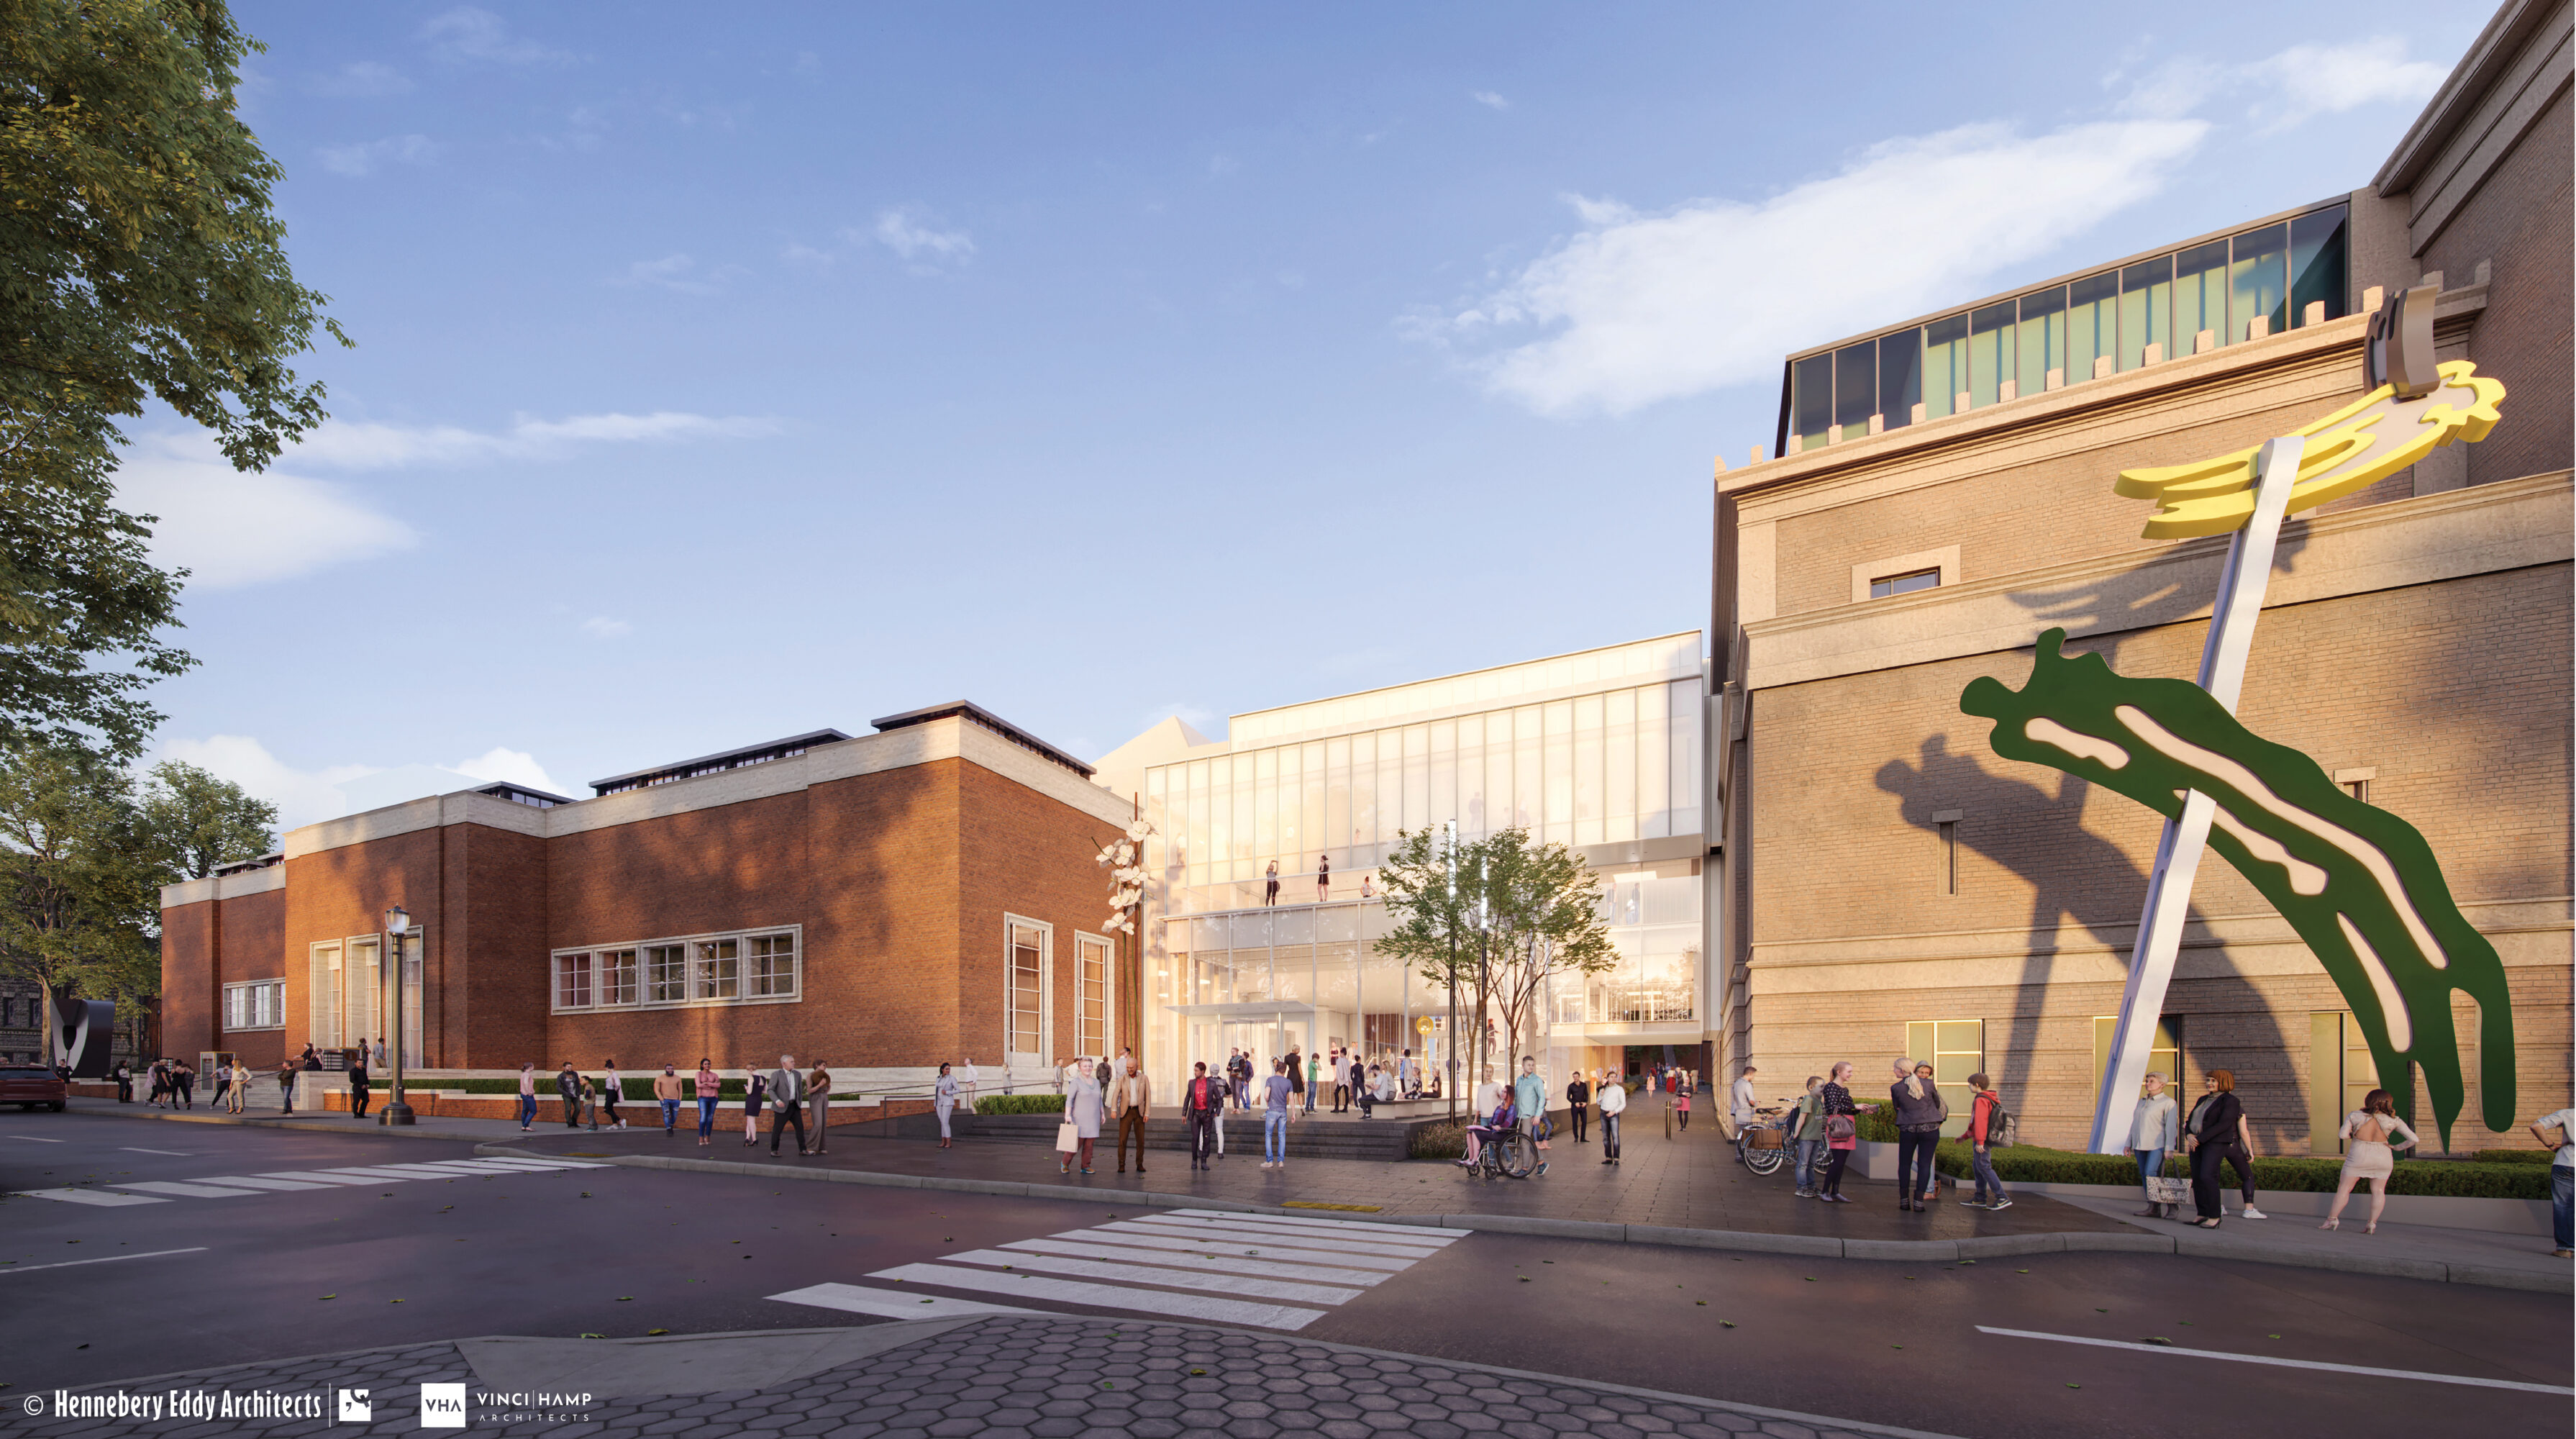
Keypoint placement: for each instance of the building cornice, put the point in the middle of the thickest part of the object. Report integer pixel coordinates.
(223, 886)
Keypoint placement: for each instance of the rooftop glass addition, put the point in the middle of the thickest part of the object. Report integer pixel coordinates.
(2261, 281)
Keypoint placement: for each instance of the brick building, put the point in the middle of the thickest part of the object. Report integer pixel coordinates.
(1941, 494)
(880, 903)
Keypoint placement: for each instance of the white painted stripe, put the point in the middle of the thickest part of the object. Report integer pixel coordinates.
(99, 1197)
(891, 1303)
(2415, 1374)
(184, 1191)
(1105, 1235)
(32, 1139)
(311, 1177)
(1373, 1233)
(1317, 1273)
(238, 1182)
(1410, 1231)
(422, 1171)
(1167, 1278)
(1205, 1307)
(516, 1162)
(1246, 1234)
(171, 1153)
(111, 1259)
(380, 1175)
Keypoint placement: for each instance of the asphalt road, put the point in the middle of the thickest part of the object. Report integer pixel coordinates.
(619, 1252)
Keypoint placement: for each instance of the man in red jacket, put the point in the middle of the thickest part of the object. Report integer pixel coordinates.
(1200, 1100)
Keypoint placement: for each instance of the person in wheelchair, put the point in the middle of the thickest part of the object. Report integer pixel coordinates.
(1503, 1120)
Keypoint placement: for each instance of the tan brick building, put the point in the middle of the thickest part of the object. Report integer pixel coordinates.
(880, 903)
(1941, 494)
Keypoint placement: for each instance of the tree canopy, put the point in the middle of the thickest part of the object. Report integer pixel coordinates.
(140, 261)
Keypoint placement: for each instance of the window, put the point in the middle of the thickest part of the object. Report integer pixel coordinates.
(1955, 1048)
(1091, 994)
(2163, 1057)
(572, 981)
(617, 976)
(1880, 589)
(259, 1004)
(2340, 1072)
(363, 1017)
(2200, 296)
(1027, 957)
(773, 965)
(2041, 341)
(715, 970)
(324, 973)
(666, 973)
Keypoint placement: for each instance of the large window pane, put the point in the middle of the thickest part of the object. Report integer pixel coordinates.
(1390, 793)
(1220, 852)
(1201, 823)
(2092, 323)
(1900, 376)
(1444, 774)
(1855, 388)
(2200, 296)
(1337, 800)
(2258, 280)
(1619, 766)
(1529, 792)
(1317, 833)
(2319, 255)
(1811, 402)
(1501, 769)
(2041, 341)
(2146, 311)
(1990, 352)
(1471, 774)
(1654, 765)
(1364, 799)
(1945, 365)
(1265, 809)
(1241, 853)
(1417, 780)
(1587, 770)
(1684, 716)
(1560, 772)
(1292, 800)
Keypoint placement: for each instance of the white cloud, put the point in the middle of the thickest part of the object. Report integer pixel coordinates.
(675, 272)
(514, 766)
(363, 80)
(906, 230)
(230, 528)
(1490, 100)
(602, 627)
(2311, 80)
(358, 445)
(368, 156)
(306, 797)
(471, 34)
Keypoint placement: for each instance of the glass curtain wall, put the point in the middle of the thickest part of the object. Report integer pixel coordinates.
(2271, 273)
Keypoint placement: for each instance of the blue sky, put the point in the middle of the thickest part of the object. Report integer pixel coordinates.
(720, 382)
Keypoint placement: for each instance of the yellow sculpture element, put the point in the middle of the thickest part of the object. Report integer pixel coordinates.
(2366, 441)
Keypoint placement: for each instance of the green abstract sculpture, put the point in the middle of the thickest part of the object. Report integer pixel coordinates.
(2359, 884)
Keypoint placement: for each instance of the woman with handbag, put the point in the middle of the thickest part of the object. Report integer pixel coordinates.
(2154, 1131)
(1919, 1112)
(755, 1090)
(2368, 1155)
(1842, 1133)
(2216, 1131)
(1082, 1110)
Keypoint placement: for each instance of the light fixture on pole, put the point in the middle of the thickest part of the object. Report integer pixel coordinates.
(397, 926)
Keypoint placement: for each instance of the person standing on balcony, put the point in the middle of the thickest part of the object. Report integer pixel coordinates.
(1323, 878)
(1270, 887)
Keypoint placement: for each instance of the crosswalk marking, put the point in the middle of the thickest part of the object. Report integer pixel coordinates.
(315, 1176)
(355, 1176)
(32, 1139)
(100, 1197)
(239, 1182)
(1223, 1268)
(892, 1303)
(183, 1191)
(1421, 1233)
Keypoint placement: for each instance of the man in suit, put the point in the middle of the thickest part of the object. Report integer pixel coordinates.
(1130, 1098)
(787, 1092)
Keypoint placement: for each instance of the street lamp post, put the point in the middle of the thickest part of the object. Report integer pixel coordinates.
(397, 925)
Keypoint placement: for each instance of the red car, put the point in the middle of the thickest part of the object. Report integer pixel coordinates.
(32, 1086)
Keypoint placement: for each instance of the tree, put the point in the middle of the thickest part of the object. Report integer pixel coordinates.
(1501, 917)
(79, 890)
(196, 823)
(139, 261)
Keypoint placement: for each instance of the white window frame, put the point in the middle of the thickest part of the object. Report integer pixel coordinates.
(1084, 945)
(258, 1003)
(618, 976)
(761, 977)
(688, 976)
(573, 980)
(1046, 987)
(1944, 559)
(324, 999)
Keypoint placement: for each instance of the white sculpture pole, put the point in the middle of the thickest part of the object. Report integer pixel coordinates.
(2222, 673)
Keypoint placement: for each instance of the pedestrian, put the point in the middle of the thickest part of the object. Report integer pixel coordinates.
(241, 1090)
(1359, 1087)
(1985, 1130)
(943, 1101)
(527, 1096)
(1203, 1105)
(1503, 1120)
(1243, 1077)
(1275, 1114)
(710, 1087)
(2368, 1154)
(1681, 1106)
(223, 1079)
(311, 1060)
(1578, 1100)
(1297, 1076)
(1807, 1132)
(666, 1092)
(1919, 1112)
(1613, 1099)
(2558, 1132)
(1131, 1097)
(1270, 890)
(568, 1085)
(1408, 1075)
(1314, 1072)
(1082, 1108)
(1341, 1081)
(590, 1103)
(1529, 1096)
(966, 1084)
(787, 1089)
(755, 1089)
(1740, 1108)
(124, 1082)
(358, 1087)
(160, 1073)
(1842, 1133)
(2217, 1130)
(612, 1089)
(381, 1061)
(1323, 878)
(2155, 1132)
(286, 1074)
(818, 1100)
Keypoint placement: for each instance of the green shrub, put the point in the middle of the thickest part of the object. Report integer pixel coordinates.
(1875, 1123)
(636, 1089)
(1445, 1140)
(1020, 1104)
(2284, 1174)
(2542, 1157)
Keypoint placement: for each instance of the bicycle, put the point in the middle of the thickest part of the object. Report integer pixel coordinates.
(1763, 1147)
(1509, 1155)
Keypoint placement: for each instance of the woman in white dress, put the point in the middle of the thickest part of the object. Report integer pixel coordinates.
(1082, 1103)
(943, 1098)
(2368, 1155)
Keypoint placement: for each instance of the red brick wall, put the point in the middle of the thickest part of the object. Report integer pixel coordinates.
(205, 946)
(490, 1005)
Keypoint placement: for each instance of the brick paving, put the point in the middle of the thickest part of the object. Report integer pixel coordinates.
(1009, 1377)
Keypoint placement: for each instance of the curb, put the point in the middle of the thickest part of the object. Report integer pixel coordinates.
(343, 1126)
(2188, 1246)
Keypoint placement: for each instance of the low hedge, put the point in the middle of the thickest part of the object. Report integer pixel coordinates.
(2286, 1174)
(1445, 1140)
(1019, 1104)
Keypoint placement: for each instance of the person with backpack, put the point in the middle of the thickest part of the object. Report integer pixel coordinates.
(1986, 1123)
(1842, 1133)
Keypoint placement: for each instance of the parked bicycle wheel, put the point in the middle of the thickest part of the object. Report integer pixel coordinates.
(1762, 1161)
